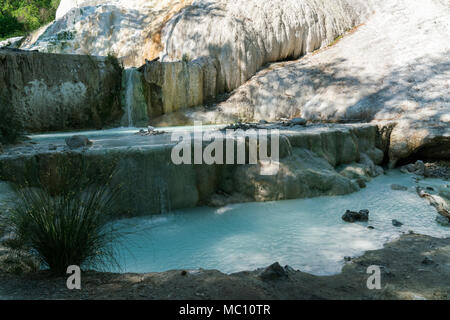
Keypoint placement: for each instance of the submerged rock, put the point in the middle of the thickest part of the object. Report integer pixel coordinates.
(427, 261)
(78, 141)
(396, 223)
(361, 183)
(444, 221)
(398, 187)
(353, 216)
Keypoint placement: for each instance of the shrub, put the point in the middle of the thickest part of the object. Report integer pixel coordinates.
(18, 17)
(72, 228)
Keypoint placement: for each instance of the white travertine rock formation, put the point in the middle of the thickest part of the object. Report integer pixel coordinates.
(65, 6)
(394, 67)
(128, 29)
(244, 35)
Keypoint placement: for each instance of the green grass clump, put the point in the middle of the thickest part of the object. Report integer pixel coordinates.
(72, 228)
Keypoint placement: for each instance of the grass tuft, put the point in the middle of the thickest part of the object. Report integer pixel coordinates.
(72, 228)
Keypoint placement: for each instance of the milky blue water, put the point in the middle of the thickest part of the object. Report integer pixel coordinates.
(306, 234)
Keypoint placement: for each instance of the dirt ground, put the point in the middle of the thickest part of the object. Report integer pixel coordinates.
(412, 267)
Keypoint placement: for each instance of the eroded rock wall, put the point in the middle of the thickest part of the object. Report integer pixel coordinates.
(244, 35)
(60, 92)
(172, 86)
(314, 161)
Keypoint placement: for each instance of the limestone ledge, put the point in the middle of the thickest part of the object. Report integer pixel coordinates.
(315, 160)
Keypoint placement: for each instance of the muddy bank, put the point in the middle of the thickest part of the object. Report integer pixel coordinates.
(406, 274)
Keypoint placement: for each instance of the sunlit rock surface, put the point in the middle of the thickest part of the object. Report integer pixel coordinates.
(387, 69)
(127, 29)
(243, 35)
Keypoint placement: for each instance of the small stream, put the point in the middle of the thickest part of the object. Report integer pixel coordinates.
(307, 234)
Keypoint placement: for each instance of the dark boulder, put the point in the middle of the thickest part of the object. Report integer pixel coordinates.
(353, 216)
(78, 141)
(273, 272)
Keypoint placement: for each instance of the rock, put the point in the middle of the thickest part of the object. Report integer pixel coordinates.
(262, 122)
(135, 24)
(347, 259)
(150, 132)
(273, 272)
(60, 92)
(396, 223)
(403, 169)
(438, 169)
(444, 221)
(78, 141)
(352, 216)
(253, 38)
(289, 269)
(421, 192)
(371, 227)
(422, 125)
(361, 183)
(11, 42)
(427, 261)
(298, 121)
(398, 187)
(180, 84)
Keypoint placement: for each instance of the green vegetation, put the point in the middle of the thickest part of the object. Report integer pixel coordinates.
(72, 228)
(19, 17)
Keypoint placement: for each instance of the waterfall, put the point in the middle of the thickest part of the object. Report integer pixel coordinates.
(129, 95)
(164, 199)
(288, 143)
(134, 103)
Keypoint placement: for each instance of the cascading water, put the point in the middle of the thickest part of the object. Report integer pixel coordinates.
(288, 144)
(133, 99)
(129, 96)
(164, 199)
